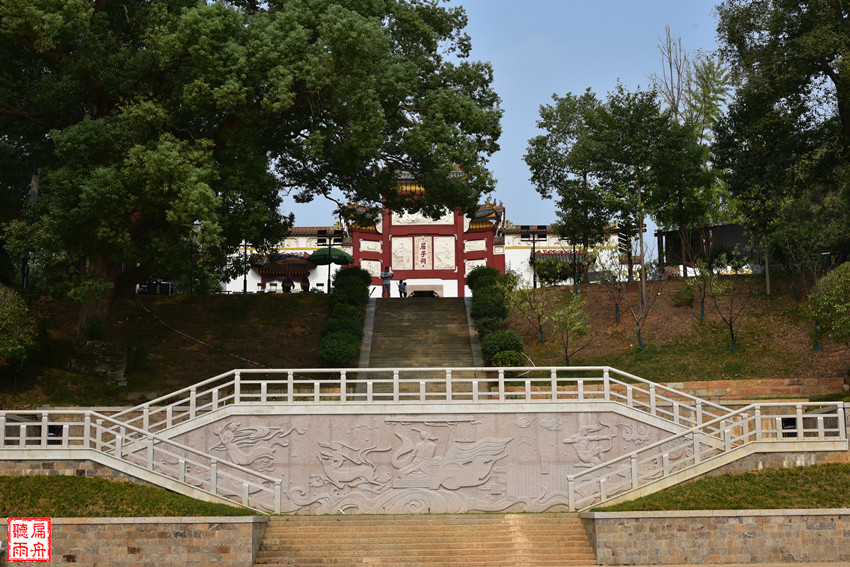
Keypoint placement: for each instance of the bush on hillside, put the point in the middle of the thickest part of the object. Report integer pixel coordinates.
(500, 341)
(489, 305)
(346, 310)
(350, 290)
(338, 348)
(481, 276)
(829, 304)
(509, 358)
(346, 324)
(355, 272)
(486, 325)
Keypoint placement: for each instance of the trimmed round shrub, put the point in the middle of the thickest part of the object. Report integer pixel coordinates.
(337, 349)
(346, 311)
(487, 325)
(490, 305)
(343, 324)
(350, 290)
(481, 276)
(355, 272)
(499, 341)
(510, 358)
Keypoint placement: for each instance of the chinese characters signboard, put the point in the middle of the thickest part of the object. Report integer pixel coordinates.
(28, 539)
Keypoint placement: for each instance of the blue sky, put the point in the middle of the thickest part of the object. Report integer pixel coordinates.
(541, 47)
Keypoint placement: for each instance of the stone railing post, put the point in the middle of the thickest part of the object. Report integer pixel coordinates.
(86, 431)
(606, 385)
(553, 378)
(44, 425)
(2, 430)
(290, 386)
(278, 496)
(343, 386)
(501, 385)
(396, 385)
(448, 385)
(237, 387)
(757, 419)
(571, 493)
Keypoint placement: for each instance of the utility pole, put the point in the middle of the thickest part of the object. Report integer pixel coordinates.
(533, 234)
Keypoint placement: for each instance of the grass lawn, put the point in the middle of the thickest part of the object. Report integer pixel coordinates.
(80, 497)
(818, 486)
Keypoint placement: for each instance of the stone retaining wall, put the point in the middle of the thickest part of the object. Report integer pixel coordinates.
(83, 467)
(739, 537)
(154, 542)
(721, 391)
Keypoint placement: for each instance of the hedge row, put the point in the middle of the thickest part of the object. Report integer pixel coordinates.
(342, 330)
(499, 346)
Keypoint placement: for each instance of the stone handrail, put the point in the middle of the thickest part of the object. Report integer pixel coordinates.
(421, 385)
(788, 422)
(62, 429)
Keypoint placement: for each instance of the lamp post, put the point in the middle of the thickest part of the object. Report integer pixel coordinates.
(533, 234)
(245, 274)
(329, 237)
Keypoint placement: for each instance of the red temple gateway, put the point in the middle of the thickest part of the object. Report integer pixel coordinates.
(431, 255)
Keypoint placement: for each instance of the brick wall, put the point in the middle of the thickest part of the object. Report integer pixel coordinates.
(154, 542)
(727, 390)
(86, 468)
(732, 537)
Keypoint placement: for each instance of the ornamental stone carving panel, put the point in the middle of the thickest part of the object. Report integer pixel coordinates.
(474, 245)
(371, 266)
(371, 246)
(472, 264)
(418, 219)
(402, 253)
(437, 463)
(444, 253)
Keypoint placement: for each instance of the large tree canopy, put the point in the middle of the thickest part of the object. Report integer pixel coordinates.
(166, 131)
(785, 142)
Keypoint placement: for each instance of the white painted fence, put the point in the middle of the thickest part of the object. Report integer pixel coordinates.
(137, 436)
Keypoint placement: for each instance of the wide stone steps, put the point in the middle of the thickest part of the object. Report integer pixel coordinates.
(420, 332)
(474, 540)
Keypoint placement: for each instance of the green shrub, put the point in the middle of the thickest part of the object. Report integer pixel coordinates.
(337, 349)
(355, 272)
(685, 295)
(95, 329)
(509, 358)
(345, 324)
(552, 271)
(346, 311)
(481, 276)
(499, 341)
(350, 290)
(829, 304)
(489, 305)
(486, 325)
(18, 329)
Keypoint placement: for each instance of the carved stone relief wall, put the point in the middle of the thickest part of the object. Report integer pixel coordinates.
(475, 245)
(418, 219)
(371, 246)
(371, 266)
(422, 463)
(472, 264)
(402, 253)
(444, 253)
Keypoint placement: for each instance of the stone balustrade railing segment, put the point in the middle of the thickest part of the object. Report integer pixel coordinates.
(698, 431)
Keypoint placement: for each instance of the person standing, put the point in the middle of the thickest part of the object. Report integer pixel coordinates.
(402, 288)
(386, 281)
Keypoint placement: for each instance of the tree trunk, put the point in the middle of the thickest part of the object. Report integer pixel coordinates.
(766, 272)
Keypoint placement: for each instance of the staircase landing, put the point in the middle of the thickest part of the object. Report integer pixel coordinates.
(470, 540)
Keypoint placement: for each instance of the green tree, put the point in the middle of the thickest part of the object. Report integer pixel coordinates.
(18, 330)
(829, 304)
(569, 324)
(533, 303)
(560, 166)
(788, 128)
(151, 120)
(552, 271)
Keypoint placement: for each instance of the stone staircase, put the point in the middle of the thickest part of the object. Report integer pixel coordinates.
(420, 332)
(469, 540)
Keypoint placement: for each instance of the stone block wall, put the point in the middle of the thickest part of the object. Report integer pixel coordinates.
(83, 467)
(722, 391)
(741, 537)
(154, 542)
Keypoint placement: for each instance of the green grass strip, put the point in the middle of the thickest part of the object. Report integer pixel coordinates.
(80, 497)
(818, 486)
